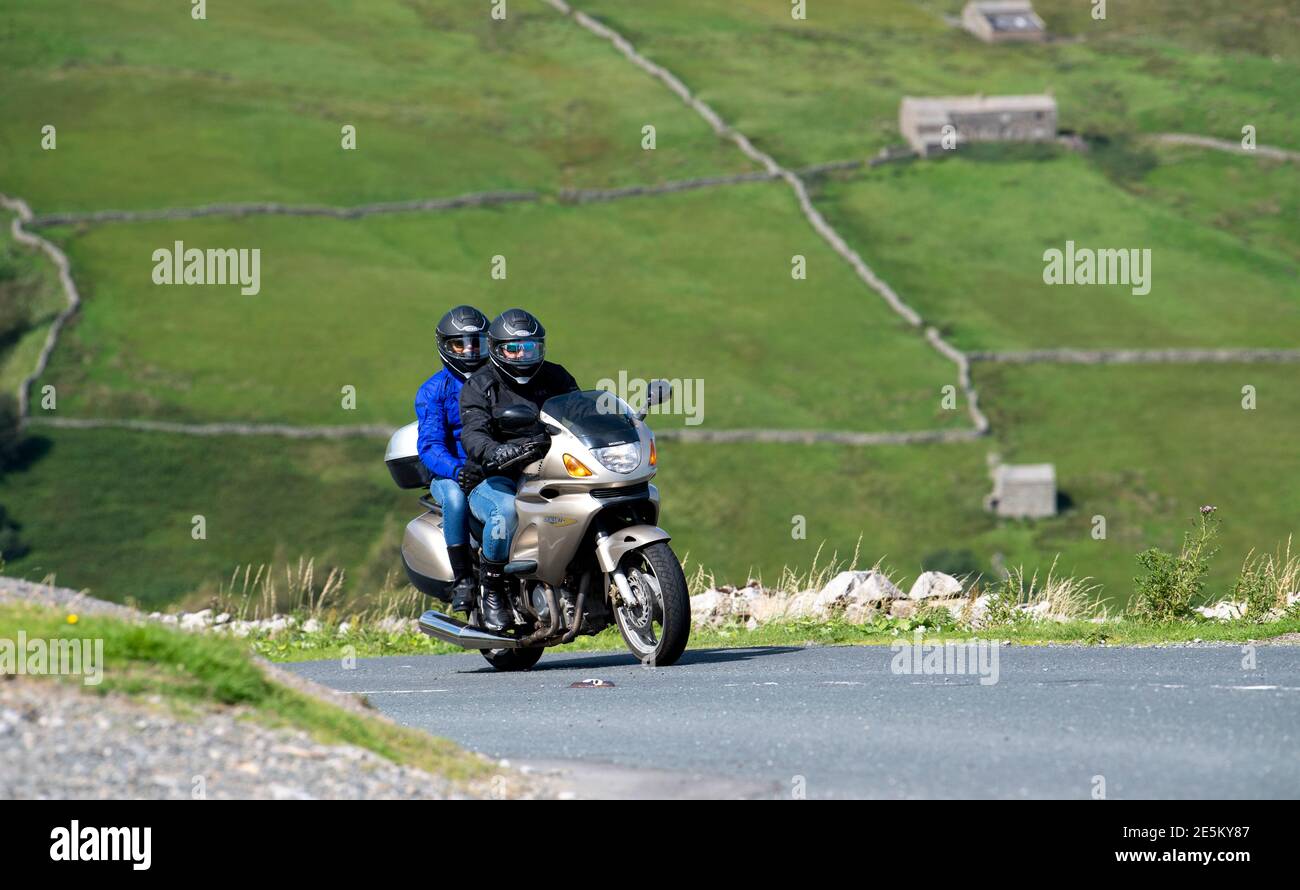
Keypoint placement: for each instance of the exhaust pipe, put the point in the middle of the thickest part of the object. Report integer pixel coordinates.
(458, 633)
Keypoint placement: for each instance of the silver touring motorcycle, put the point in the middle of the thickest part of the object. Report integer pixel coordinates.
(587, 550)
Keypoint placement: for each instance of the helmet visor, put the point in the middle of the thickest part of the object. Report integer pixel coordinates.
(520, 353)
(467, 347)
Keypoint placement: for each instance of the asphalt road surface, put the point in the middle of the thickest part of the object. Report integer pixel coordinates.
(1169, 722)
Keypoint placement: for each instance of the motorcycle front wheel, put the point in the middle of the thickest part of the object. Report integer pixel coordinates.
(656, 624)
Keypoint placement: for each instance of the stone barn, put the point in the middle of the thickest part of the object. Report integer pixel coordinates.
(975, 119)
(1003, 21)
(1023, 491)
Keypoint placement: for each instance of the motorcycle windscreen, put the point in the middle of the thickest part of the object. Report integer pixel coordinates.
(597, 418)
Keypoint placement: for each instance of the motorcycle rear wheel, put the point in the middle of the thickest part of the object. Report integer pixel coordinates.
(657, 636)
(512, 659)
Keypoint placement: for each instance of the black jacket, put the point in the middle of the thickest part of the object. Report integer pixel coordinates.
(488, 388)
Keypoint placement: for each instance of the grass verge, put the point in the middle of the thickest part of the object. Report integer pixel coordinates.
(207, 671)
(371, 643)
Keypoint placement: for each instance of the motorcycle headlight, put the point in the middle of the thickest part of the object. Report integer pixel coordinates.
(619, 458)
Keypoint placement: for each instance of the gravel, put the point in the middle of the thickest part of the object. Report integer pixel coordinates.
(60, 743)
(16, 590)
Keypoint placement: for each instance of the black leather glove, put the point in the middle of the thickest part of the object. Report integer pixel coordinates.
(506, 452)
(469, 475)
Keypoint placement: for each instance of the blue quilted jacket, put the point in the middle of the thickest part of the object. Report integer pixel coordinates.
(437, 408)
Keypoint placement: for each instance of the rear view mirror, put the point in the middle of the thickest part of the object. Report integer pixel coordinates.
(660, 392)
(657, 393)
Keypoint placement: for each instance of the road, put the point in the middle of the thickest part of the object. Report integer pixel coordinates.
(1169, 722)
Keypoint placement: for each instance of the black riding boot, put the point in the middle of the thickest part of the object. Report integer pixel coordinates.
(462, 590)
(494, 606)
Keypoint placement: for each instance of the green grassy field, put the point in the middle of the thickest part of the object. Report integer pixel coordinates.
(710, 296)
(1143, 447)
(154, 110)
(975, 265)
(1255, 201)
(828, 88)
(112, 511)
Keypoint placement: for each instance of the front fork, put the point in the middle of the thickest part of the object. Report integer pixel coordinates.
(622, 590)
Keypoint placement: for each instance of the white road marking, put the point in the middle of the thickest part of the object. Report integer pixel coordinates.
(394, 691)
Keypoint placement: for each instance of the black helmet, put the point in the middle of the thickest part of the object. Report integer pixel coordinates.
(462, 340)
(517, 344)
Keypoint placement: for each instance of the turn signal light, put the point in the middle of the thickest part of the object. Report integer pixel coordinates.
(575, 467)
(654, 455)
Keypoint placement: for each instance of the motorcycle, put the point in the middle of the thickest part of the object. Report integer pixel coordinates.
(587, 549)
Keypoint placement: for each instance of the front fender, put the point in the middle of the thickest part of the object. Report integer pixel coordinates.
(610, 550)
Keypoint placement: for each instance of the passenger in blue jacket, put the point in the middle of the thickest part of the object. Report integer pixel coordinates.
(462, 346)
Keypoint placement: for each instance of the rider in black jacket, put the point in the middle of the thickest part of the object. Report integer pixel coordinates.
(517, 373)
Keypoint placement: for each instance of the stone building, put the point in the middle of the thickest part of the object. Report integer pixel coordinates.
(925, 121)
(1003, 21)
(1023, 491)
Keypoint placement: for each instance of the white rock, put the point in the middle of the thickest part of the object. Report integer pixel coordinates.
(196, 620)
(223, 618)
(711, 608)
(934, 584)
(832, 598)
(345, 627)
(311, 625)
(902, 608)
(854, 595)
(394, 625)
(771, 608)
(973, 612)
(273, 625)
(1038, 610)
(745, 600)
(1223, 611)
(869, 586)
(861, 613)
(802, 604)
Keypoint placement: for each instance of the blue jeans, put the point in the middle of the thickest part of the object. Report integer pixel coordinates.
(493, 502)
(455, 519)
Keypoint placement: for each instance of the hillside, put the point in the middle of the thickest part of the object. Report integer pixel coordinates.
(159, 112)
